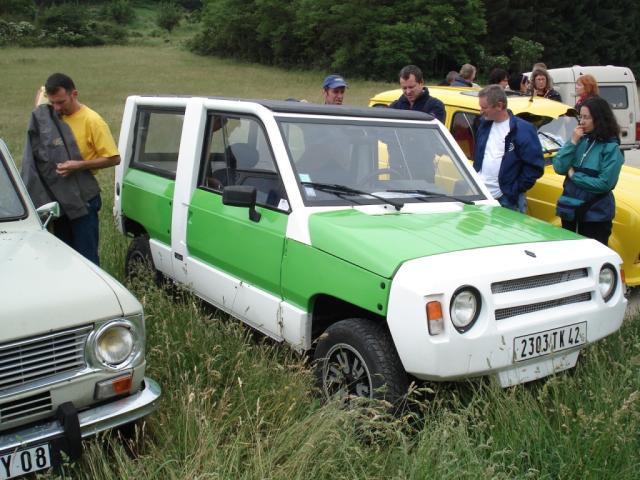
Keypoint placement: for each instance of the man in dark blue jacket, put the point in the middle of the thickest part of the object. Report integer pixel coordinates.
(415, 96)
(508, 154)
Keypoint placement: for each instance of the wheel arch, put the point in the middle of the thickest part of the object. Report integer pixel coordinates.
(328, 309)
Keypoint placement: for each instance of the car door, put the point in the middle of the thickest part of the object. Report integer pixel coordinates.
(236, 260)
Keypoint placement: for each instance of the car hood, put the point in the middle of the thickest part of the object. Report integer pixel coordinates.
(381, 243)
(46, 286)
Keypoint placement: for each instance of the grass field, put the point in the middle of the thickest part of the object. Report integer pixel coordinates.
(236, 405)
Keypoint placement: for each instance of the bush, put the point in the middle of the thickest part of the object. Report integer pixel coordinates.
(16, 33)
(121, 11)
(66, 24)
(169, 16)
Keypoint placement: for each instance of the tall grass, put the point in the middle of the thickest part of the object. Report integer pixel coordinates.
(237, 405)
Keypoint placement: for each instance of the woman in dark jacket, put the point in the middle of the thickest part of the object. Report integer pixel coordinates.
(591, 162)
(542, 85)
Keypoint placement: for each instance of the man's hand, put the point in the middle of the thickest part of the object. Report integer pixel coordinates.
(65, 169)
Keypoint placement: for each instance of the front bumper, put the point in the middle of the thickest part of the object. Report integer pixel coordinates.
(529, 308)
(92, 421)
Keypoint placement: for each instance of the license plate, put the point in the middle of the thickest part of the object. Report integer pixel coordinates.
(27, 460)
(549, 341)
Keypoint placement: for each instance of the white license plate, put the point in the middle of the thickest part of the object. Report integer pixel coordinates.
(549, 341)
(24, 461)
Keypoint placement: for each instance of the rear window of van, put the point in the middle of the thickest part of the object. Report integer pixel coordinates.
(616, 96)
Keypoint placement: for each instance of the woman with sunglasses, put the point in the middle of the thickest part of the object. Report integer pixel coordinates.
(591, 162)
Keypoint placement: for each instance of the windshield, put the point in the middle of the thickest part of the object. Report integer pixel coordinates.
(357, 162)
(556, 133)
(11, 206)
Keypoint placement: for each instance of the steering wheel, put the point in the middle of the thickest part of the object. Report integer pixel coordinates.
(367, 179)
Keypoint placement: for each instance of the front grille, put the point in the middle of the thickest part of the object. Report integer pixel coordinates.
(25, 407)
(538, 281)
(39, 357)
(503, 313)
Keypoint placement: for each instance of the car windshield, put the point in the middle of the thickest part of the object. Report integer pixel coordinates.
(351, 162)
(556, 133)
(11, 205)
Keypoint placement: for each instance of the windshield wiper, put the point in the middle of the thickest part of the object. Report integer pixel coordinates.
(341, 190)
(553, 139)
(429, 194)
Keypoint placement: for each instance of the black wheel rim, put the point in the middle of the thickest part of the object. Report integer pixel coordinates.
(345, 373)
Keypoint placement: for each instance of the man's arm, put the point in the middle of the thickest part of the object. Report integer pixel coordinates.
(529, 150)
(437, 109)
(66, 168)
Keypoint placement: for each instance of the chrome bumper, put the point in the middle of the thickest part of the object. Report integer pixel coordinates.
(92, 421)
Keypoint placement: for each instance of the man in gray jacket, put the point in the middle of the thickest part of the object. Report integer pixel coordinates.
(66, 143)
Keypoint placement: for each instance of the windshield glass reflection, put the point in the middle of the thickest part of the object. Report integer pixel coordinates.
(11, 207)
(375, 162)
(556, 133)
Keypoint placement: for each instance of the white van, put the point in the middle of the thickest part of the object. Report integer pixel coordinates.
(617, 86)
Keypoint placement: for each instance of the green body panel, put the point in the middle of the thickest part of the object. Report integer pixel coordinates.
(148, 199)
(225, 238)
(381, 243)
(307, 271)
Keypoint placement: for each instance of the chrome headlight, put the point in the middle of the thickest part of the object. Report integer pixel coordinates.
(465, 308)
(607, 281)
(117, 344)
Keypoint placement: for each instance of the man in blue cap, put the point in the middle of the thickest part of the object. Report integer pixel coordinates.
(333, 89)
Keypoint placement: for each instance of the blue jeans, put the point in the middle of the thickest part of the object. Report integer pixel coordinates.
(82, 233)
(521, 206)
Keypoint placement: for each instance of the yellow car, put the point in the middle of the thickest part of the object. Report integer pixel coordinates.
(555, 122)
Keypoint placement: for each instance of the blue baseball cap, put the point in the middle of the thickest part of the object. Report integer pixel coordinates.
(334, 81)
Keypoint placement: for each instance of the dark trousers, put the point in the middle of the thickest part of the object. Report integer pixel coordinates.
(82, 233)
(599, 231)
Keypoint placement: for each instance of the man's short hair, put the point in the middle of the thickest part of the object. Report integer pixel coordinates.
(409, 70)
(494, 94)
(467, 71)
(58, 81)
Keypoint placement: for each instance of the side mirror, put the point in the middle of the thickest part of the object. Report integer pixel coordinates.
(242, 196)
(48, 211)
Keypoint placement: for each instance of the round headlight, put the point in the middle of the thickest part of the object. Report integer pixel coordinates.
(607, 281)
(465, 308)
(114, 345)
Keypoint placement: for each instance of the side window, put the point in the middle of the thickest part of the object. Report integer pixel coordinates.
(157, 141)
(616, 96)
(237, 153)
(463, 129)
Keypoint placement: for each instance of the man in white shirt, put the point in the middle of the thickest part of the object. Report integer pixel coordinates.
(508, 154)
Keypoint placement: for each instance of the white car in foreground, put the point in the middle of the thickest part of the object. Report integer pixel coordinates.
(72, 341)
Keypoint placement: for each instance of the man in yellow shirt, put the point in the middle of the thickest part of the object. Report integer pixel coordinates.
(98, 150)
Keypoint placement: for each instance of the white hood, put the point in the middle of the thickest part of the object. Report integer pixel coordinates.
(46, 286)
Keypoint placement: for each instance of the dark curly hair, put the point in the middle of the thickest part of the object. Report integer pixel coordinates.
(605, 126)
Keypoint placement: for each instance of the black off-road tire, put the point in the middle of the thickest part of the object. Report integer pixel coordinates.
(357, 357)
(139, 260)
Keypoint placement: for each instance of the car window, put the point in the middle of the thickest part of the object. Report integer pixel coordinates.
(157, 141)
(237, 153)
(356, 162)
(11, 204)
(463, 129)
(615, 95)
(556, 133)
